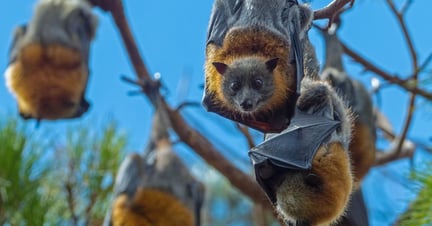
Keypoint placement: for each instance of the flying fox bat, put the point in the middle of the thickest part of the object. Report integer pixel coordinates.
(362, 146)
(48, 60)
(156, 188)
(256, 55)
(305, 170)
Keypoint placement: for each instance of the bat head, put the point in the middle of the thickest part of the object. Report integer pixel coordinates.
(247, 83)
(54, 107)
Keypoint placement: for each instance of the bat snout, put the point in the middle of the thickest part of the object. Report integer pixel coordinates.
(25, 116)
(247, 105)
(82, 108)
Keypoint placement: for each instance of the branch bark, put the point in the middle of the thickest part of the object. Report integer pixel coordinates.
(405, 84)
(406, 150)
(245, 183)
(332, 10)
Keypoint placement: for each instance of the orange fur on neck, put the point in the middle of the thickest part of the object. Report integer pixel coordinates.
(150, 207)
(247, 42)
(362, 149)
(47, 75)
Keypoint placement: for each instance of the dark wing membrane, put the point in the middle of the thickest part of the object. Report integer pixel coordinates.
(297, 49)
(127, 180)
(292, 149)
(223, 14)
(197, 191)
(356, 214)
(296, 146)
(129, 175)
(15, 46)
(79, 23)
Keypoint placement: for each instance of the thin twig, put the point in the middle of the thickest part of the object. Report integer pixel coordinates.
(405, 7)
(399, 151)
(71, 202)
(407, 123)
(245, 183)
(415, 67)
(89, 207)
(425, 63)
(405, 84)
(407, 36)
(332, 9)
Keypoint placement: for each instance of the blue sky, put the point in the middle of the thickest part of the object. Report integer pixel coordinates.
(171, 37)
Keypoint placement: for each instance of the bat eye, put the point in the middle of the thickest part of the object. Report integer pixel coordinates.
(257, 84)
(313, 180)
(235, 86)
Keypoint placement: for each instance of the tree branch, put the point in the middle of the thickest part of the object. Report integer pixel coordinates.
(332, 10)
(405, 84)
(245, 183)
(399, 148)
(407, 36)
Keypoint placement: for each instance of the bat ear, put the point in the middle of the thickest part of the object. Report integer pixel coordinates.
(271, 64)
(220, 67)
(306, 17)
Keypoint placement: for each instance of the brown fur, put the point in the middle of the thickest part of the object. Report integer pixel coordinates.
(44, 78)
(150, 207)
(362, 149)
(247, 42)
(321, 205)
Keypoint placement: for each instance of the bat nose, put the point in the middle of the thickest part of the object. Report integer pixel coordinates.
(83, 108)
(25, 116)
(247, 105)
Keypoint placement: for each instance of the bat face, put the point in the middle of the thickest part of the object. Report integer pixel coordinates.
(247, 84)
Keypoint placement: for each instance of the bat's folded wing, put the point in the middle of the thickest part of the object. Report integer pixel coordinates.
(292, 149)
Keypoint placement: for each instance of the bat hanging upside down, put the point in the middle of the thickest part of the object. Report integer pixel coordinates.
(157, 188)
(48, 60)
(254, 61)
(305, 170)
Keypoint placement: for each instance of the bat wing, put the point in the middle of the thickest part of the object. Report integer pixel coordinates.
(18, 36)
(297, 51)
(223, 14)
(292, 149)
(82, 23)
(128, 178)
(356, 214)
(197, 191)
(295, 147)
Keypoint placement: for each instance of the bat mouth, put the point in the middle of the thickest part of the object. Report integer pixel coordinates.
(249, 106)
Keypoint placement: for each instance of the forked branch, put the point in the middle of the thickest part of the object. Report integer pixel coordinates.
(245, 183)
(332, 10)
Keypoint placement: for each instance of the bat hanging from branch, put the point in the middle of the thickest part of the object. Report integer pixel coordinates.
(256, 56)
(48, 60)
(156, 188)
(305, 170)
(254, 61)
